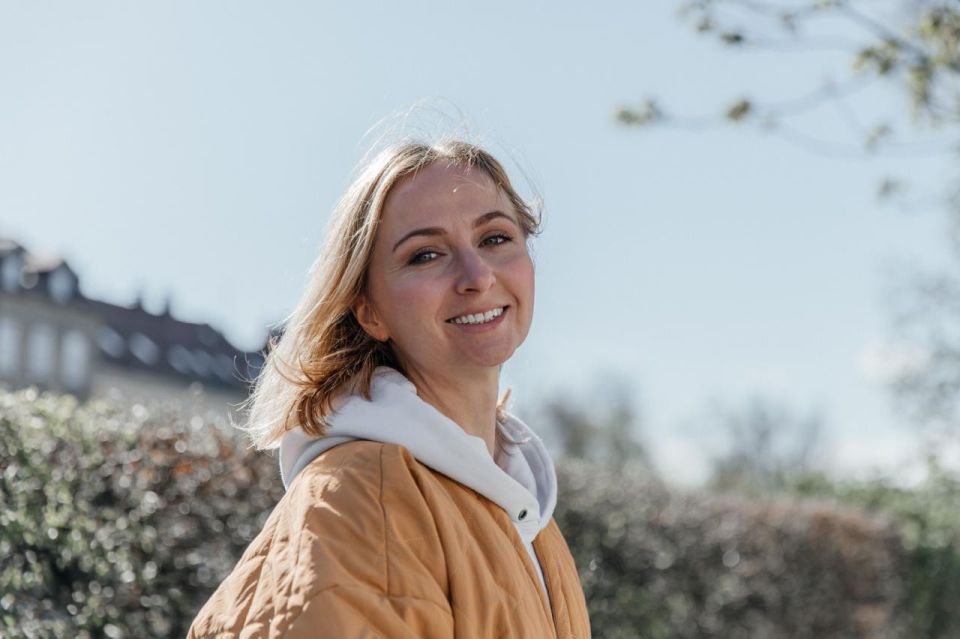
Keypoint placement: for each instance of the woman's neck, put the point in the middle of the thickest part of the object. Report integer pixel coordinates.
(469, 400)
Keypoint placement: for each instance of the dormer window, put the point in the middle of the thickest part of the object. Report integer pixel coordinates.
(10, 272)
(144, 348)
(62, 285)
(224, 367)
(202, 362)
(179, 358)
(110, 341)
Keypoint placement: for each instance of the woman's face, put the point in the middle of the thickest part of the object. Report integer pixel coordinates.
(451, 283)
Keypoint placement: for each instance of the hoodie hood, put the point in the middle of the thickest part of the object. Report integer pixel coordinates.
(521, 479)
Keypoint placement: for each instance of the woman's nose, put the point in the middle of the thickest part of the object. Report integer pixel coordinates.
(475, 274)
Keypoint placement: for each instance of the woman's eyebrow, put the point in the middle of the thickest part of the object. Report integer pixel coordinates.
(436, 230)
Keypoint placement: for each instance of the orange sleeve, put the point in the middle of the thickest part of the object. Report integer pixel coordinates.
(358, 611)
(351, 551)
(368, 559)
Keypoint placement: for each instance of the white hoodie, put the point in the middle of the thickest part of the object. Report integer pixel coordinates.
(521, 479)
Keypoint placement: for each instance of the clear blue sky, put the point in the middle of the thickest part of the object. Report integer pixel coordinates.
(197, 149)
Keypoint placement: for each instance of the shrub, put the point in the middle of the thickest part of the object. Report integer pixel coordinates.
(661, 563)
(119, 522)
(927, 520)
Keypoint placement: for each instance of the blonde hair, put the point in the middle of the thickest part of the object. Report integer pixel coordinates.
(323, 352)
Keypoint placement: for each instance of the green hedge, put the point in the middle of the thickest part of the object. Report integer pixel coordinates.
(659, 563)
(119, 521)
(928, 524)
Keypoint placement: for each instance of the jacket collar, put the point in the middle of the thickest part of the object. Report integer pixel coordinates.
(521, 480)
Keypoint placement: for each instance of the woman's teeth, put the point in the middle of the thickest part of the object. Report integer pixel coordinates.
(479, 318)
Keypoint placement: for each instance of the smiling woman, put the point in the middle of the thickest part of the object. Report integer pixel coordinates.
(454, 294)
(416, 505)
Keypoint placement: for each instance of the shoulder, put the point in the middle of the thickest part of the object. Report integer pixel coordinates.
(356, 472)
(359, 459)
(346, 520)
(356, 511)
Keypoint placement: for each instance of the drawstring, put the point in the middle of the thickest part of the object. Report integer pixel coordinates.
(502, 436)
(502, 407)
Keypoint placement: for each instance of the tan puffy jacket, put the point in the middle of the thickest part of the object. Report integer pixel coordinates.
(369, 542)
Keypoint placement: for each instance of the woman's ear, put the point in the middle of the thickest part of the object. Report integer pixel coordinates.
(369, 320)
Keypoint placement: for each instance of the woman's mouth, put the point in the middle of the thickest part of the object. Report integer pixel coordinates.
(480, 318)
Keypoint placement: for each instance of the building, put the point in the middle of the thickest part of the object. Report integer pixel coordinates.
(55, 338)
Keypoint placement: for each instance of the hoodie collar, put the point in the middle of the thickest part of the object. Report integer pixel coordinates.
(521, 479)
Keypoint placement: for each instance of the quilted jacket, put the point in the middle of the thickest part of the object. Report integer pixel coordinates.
(370, 541)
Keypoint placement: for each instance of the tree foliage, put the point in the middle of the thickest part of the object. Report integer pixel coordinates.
(912, 46)
(928, 523)
(606, 431)
(768, 445)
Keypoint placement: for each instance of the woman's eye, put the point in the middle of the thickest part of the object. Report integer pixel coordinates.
(499, 238)
(422, 257)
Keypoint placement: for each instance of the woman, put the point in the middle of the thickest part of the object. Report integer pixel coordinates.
(416, 506)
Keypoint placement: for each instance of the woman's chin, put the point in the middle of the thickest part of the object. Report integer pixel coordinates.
(488, 357)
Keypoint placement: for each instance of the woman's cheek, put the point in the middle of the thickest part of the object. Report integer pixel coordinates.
(525, 271)
(416, 294)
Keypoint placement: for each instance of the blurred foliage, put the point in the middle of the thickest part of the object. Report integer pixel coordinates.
(120, 521)
(609, 434)
(927, 319)
(769, 445)
(602, 424)
(928, 523)
(657, 563)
